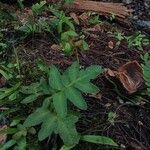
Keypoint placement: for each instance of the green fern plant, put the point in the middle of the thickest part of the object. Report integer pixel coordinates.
(56, 92)
(61, 20)
(18, 133)
(9, 94)
(146, 70)
(138, 40)
(60, 89)
(70, 41)
(38, 7)
(20, 3)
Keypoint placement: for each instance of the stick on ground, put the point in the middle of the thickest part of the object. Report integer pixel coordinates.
(101, 7)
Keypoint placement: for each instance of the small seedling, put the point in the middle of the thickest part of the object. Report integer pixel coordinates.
(38, 7)
(62, 21)
(20, 3)
(94, 19)
(112, 17)
(119, 36)
(112, 117)
(138, 40)
(146, 70)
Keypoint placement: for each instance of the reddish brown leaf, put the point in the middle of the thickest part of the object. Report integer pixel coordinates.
(130, 75)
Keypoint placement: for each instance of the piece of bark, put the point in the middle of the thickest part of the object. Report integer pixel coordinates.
(130, 75)
(100, 7)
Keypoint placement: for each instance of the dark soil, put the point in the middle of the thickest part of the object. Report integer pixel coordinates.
(132, 125)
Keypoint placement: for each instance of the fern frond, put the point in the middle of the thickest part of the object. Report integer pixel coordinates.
(146, 70)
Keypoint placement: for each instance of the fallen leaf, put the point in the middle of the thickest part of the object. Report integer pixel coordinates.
(110, 44)
(97, 96)
(24, 15)
(96, 28)
(84, 18)
(75, 18)
(111, 72)
(107, 105)
(130, 75)
(55, 47)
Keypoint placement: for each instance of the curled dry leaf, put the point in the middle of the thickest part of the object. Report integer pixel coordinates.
(130, 75)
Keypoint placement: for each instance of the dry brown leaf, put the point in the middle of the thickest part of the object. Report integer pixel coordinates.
(96, 28)
(55, 47)
(107, 105)
(111, 72)
(24, 15)
(111, 44)
(84, 18)
(97, 96)
(75, 18)
(130, 75)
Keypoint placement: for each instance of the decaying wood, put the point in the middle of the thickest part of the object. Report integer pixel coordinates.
(101, 7)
